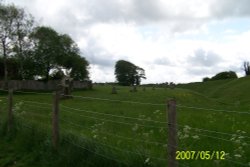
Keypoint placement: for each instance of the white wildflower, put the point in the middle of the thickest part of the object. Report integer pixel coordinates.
(135, 128)
(237, 141)
(147, 161)
(196, 137)
(237, 155)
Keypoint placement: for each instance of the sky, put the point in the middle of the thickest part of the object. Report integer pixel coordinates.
(172, 40)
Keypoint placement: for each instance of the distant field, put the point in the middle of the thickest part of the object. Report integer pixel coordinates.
(119, 130)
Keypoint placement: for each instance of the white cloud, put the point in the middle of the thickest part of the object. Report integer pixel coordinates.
(171, 40)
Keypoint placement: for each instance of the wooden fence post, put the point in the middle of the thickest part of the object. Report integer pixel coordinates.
(55, 120)
(10, 110)
(172, 135)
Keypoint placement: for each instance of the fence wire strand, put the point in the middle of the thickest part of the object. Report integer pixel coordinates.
(210, 109)
(112, 115)
(111, 100)
(118, 122)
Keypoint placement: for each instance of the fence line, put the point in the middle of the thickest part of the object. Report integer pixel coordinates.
(108, 120)
(111, 100)
(119, 149)
(28, 92)
(236, 162)
(126, 117)
(211, 131)
(34, 102)
(218, 138)
(200, 129)
(209, 109)
(111, 134)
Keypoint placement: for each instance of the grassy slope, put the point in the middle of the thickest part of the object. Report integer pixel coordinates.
(234, 91)
(217, 94)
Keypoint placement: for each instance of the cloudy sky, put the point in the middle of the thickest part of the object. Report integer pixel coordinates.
(173, 40)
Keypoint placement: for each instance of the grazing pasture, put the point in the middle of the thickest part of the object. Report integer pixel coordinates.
(98, 128)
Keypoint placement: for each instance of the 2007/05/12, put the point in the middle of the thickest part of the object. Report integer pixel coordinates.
(202, 155)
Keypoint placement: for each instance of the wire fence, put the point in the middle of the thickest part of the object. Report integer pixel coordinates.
(69, 115)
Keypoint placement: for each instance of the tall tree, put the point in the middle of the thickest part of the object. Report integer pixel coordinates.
(47, 47)
(8, 15)
(246, 66)
(128, 74)
(24, 26)
(60, 52)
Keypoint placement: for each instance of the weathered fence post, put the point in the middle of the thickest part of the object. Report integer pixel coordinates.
(10, 110)
(172, 135)
(55, 120)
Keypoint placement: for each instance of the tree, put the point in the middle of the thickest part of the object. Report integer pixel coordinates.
(224, 75)
(47, 49)
(57, 52)
(22, 43)
(128, 74)
(246, 66)
(8, 15)
(15, 24)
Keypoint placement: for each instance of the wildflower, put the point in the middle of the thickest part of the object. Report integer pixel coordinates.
(196, 137)
(135, 128)
(147, 161)
(237, 155)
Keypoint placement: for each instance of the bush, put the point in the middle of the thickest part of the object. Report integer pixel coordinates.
(224, 75)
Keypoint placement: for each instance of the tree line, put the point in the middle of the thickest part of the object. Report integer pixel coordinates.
(30, 52)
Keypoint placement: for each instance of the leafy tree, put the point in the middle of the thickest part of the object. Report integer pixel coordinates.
(13, 68)
(8, 15)
(47, 47)
(246, 66)
(128, 74)
(225, 75)
(54, 51)
(22, 43)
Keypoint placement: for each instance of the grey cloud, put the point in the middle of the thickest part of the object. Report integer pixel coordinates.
(97, 55)
(162, 61)
(230, 8)
(203, 58)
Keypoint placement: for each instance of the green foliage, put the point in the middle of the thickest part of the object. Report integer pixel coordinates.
(38, 50)
(205, 79)
(58, 51)
(221, 76)
(13, 68)
(128, 74)
(224, 75)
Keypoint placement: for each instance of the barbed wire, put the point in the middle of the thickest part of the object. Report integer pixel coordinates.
(80, 146)
(211, 131)
(209, 109)
(108, 120)
(111, 100)
(111, 134)
(126, 117)
(119, 149)
(213, 137)
(236, 162)
(29, 92)
(30, 105)
(35, 102)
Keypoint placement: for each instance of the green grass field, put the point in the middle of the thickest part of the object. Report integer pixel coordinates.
(117, 132)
